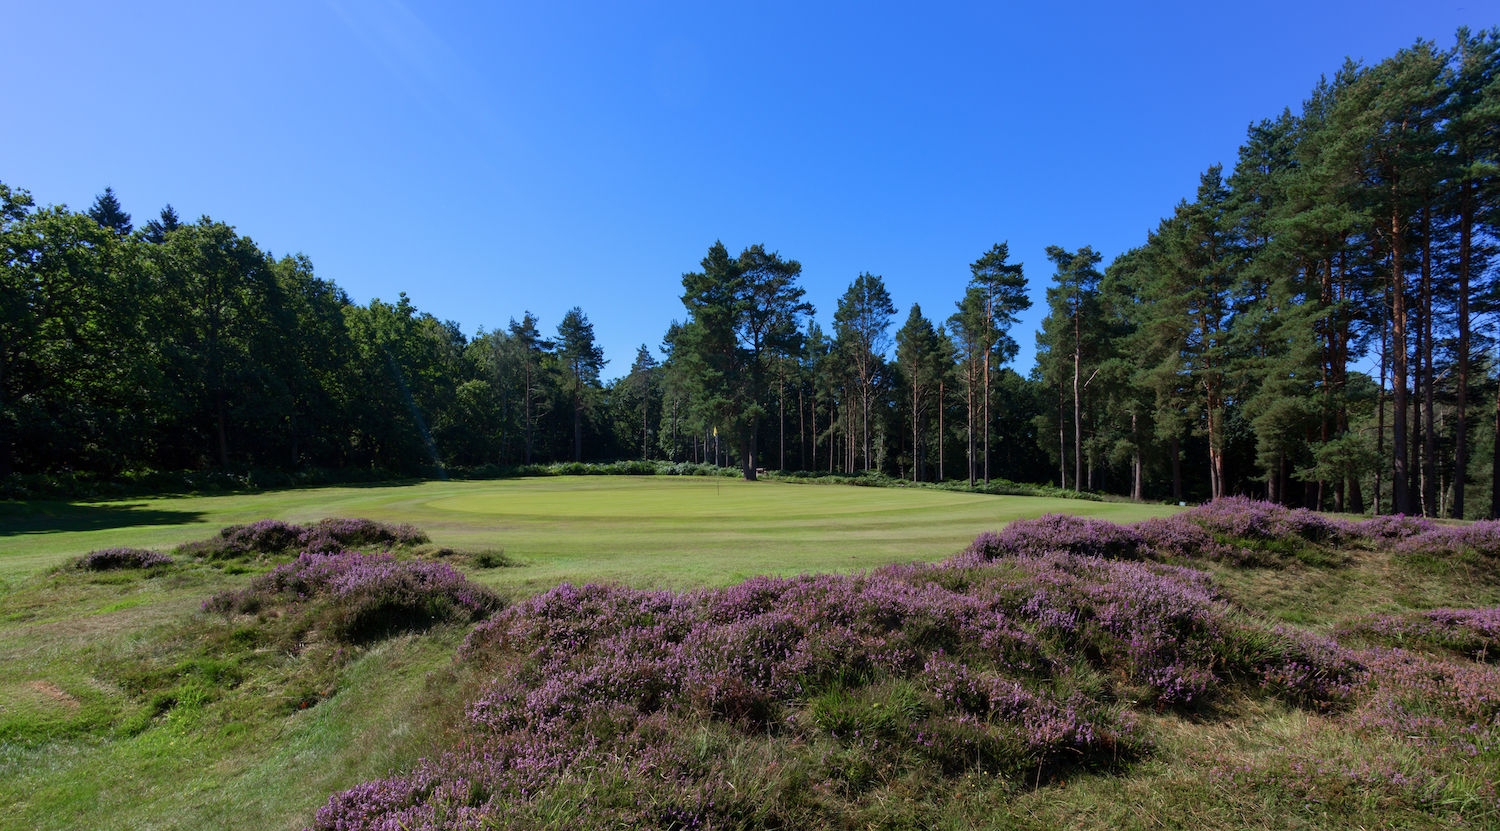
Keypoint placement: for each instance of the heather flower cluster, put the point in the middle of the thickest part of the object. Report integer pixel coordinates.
(337, 534)
(1444, 706)
(1473, 633)
(1247, 519)
(1389, 527)
(360, 597)
(1479, 540)
(1057, 533)
(109, 559)
(272, 536)
(1014, 664)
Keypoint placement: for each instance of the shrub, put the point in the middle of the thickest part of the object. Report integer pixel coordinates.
(1057, 533)
(360, 597)
(109, 559)
(237, 542)
(1248, 519)
(272, 536)
(335, 534)
(1474, 633)
(1181, 538)
(1393, 527)
(1479, 540)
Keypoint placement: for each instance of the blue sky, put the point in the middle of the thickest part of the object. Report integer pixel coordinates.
(490, 158)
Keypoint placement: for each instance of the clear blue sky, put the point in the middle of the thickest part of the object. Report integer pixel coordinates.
(491, 158)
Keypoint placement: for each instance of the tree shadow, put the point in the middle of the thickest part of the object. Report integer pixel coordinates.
(47, 517)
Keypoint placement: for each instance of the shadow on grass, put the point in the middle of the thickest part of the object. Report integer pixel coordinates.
(17, 518)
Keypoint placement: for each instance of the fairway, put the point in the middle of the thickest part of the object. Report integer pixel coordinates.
(639, 530)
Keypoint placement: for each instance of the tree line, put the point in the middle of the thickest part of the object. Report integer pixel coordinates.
(1305, 329)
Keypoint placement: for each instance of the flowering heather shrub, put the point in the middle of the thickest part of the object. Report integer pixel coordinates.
(272, 536)
(360, 597)
(1480, 539)
(335, 534)
(1012, 667)
(1393, 527)
(1440, 705)
(108, 559)
(237, 542)
(1180, 538)
(1056, 533)
(1248, 519)
(1474, 633)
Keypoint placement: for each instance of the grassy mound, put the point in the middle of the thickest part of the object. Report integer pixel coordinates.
(359, 597)
(272, 536)
(110, 559)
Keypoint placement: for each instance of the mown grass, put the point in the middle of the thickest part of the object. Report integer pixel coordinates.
(124, 705)
(644, 531)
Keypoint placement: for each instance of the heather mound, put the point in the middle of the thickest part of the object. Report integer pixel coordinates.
(272, 537)
(823, 701)
(358, 597)
(111, 559)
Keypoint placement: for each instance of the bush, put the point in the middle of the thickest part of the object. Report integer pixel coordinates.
(1480, 540)
(1251, 520)
(1393, 527)
(338, 534)
(1473, 633)
(1061, 533)
(272, 536)
(109, 559)
(361, 597)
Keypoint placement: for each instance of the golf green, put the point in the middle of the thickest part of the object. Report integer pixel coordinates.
(641, 530)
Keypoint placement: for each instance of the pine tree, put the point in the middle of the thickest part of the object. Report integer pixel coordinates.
(107, 212)
(584, 359)
(922, 364)
(1003, 287)
(156, 230)
(863, 316)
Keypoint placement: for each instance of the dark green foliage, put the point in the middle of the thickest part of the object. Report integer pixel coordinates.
(108, 213)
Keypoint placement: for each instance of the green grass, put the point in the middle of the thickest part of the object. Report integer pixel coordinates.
(644, 531)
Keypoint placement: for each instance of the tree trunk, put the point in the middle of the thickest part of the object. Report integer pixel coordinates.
(916, 458)
(970, 395)
(1062, 442)
(527, 405)
(1176, 469)
(748, 460)
(577, 416)
(1495, 465)
(986, 417)
(781, 417)
(1400, 492)
(1429, 429)
(1077, 403)
(942, 405)
(801, 431)
(1461, 428)
(1380, 414)
(1137, 477)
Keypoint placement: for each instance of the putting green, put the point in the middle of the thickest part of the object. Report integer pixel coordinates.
(641, 530)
